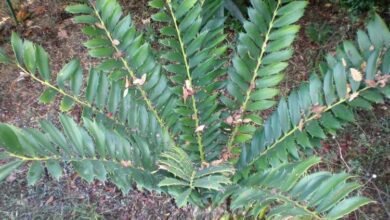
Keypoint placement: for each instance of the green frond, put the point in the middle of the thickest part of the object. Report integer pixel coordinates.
(187, 181)
(105, 99)
(353, 79)
(212, 9)
(192, 55)
(7, 169)
(260, 57)
(94, 151)
(124, 54)
(171, 124)
(287, 190)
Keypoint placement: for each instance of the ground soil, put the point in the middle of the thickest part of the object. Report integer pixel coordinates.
(362, 149)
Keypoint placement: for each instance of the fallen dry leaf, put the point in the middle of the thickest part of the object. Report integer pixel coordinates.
(29, 23)
(146, 21)
(28, 32)
(356, 75)
(22, 76)
(22, 15)
(39, 11)
(344, 62)
(252, 85)
(237, 117)
(205, 164)
(115, 42)
(229, 120)
(226, 154)
(349, 89)
(247, 120)
(216, 162)
(363, 66)
(238, 121)
(109, 114)
(187, 90)
(382, 80)
(126, 163)
(128, 83)
(118, 54)
(200, 128)
(62, 34)
(49, 200)
(185, 94)
(301, 124)
(318, 109)
(140, 82)
(109, 189)
(370, 83)
(188, 85)
(99, 25)
(125, 92)
(353, 96)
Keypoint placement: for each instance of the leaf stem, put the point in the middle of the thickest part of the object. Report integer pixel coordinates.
(24, 158)
(187, 67)
(58, 158)
(133, 77)
(253, 80)
(74, 98)
(297, 204)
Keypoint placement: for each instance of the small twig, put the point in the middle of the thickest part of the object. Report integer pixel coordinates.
(365, 215)
(365, 186)
(342, 158)
(356, 216)
(378, 191)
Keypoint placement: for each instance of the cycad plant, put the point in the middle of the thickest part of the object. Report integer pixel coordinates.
(188, 118)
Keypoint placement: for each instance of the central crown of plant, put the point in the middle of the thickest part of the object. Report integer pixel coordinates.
(187, 118)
